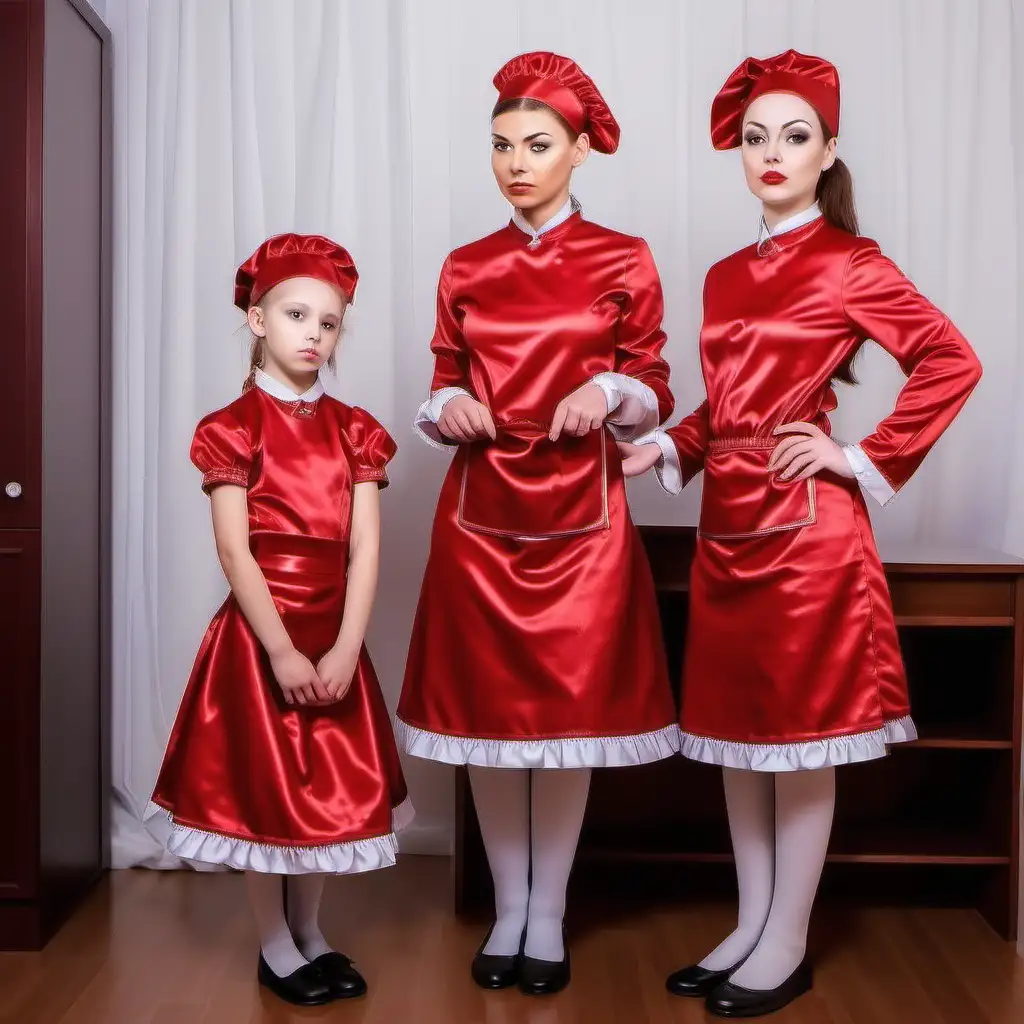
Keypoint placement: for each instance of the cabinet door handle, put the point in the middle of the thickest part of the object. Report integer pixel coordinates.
(13, 489)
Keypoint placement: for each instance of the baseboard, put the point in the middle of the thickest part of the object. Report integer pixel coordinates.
(429, 840)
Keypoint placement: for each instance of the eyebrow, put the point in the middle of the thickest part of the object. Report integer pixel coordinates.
(788, 124)
(296, 304)
(529, 138)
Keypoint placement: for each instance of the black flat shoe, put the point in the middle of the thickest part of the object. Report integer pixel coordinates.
(544, 977)
(695, 981)
(344, 981)
(304, 987)
(494, 972)
(729, 1000)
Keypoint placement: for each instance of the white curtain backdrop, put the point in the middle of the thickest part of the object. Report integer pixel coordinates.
(368, 121)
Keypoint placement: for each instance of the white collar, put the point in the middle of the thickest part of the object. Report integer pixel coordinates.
(282, 392)
(798, 220)
(570, 207)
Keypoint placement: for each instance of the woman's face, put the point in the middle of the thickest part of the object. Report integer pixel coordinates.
(533, 156)
(784, 150)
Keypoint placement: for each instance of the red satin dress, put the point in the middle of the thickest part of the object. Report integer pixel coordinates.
(247, 780)
(793, 659)
(537, 640)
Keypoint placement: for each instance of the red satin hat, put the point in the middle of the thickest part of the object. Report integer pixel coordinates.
(811, 78)
(291, 255)
(564, 86)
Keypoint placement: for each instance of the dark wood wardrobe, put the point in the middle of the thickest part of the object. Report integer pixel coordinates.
(55, 104)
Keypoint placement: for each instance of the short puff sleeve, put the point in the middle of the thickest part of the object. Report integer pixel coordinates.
(371, 447)
(222, 451)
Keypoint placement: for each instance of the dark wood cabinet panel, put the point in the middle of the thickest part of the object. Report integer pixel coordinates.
(54, 441)
(19, 698)
(20, 269)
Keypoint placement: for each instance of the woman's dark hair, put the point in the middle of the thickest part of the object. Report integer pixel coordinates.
(527, 103)
(835, 198)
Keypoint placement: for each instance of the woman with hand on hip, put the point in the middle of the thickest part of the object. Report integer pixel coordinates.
(793, 662)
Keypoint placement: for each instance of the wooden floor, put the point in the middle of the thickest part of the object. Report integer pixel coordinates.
(178, 948)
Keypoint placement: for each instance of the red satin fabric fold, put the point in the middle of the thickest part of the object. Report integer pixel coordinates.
(243, 763)
(557, 637)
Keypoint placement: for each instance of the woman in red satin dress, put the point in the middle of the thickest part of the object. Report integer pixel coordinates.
(282, 759)
(537, 640)
(793, 662)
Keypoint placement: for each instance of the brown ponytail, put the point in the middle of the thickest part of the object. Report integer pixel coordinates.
(835, 198)
(255, 363)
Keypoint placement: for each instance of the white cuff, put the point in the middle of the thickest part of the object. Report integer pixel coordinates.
(429, 413)
(670, 473)
(867, 475)
(632, 405)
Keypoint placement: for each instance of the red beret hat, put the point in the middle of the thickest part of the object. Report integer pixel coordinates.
(563, 85)
(291, 255)
(811, 78)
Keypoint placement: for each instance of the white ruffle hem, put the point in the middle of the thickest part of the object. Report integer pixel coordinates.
(553, 752)
(791, 757)
(196, 845)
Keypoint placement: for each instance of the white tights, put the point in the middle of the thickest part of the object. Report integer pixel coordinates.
(780, 825)
(529, 819)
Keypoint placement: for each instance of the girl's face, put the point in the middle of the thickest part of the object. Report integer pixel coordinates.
(784, 151)
(533, 157)
(298, 322)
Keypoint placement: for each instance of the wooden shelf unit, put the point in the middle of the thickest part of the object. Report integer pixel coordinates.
(937, 823)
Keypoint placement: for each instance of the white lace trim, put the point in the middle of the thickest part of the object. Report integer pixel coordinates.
(193, 844)
(789, 757)
(564, 752)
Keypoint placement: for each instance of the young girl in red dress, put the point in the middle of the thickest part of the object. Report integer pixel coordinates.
(793, 661)
(282, 760)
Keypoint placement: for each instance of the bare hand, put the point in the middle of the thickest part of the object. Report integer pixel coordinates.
(298, 680)
(638, 458)
(336, 670)
(465, 419)
(584, 410)
(808, 451)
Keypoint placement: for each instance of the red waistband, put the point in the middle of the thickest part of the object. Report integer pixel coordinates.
(299, 553)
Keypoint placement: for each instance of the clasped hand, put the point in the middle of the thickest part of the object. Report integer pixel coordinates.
(303, 684)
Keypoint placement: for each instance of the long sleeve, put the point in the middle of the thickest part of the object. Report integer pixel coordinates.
(682, 449)
(451, 365)
(638, 391)
(942, 368)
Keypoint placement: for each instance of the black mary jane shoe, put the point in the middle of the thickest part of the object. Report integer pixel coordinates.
(696, 982)
(729, 1000)
(344, 981)
(494, 972)
(304, 987)
(544, 977)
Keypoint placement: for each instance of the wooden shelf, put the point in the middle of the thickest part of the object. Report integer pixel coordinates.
(939, 742)
(955, 621)
(935, 824)
(906, 841)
